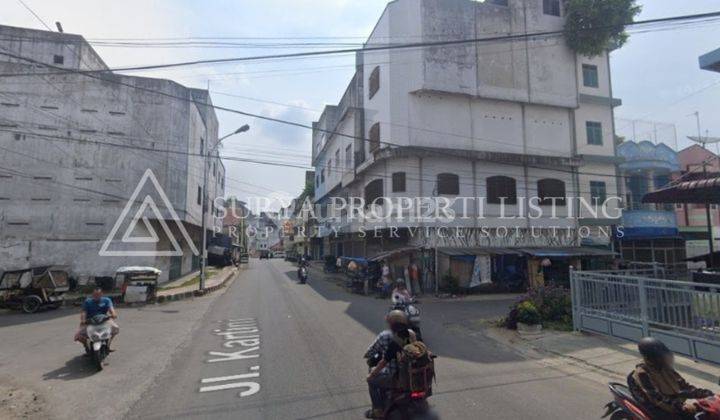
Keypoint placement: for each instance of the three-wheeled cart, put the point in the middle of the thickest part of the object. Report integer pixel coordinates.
(34, 288)
(137, 284)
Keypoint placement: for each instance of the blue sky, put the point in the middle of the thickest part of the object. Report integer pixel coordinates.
(656, 74)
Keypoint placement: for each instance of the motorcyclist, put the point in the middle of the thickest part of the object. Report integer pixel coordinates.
(401, 294)
(659, 387)
(97, 304)
(383, 376)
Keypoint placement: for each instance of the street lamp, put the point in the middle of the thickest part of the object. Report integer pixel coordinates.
(203, 256)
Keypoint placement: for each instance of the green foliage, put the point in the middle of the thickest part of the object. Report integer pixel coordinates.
(528, 314)
(593, 26)
(452, 282)
(552, 304)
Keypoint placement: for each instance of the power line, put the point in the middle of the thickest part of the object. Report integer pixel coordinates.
(35, 14)
(366, 49)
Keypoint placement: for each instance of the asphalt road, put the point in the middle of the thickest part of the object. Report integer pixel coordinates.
(269, 348)
(38, 357)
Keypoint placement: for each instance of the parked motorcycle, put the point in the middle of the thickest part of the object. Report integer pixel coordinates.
(99, 332)
(411, 311)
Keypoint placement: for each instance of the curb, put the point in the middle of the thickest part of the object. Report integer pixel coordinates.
(165, 298)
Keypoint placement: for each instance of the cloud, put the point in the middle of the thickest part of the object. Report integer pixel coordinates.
(284, 134)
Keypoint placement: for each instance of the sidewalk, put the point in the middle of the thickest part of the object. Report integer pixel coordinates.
(214, 282)
(596, 357)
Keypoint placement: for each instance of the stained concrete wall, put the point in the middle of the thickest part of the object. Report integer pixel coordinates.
(75, 147)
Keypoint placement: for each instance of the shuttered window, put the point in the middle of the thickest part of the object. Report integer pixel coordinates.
(499, 187)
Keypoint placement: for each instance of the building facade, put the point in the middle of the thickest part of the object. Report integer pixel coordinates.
(75, 148)
(501, 120)
(650, 232)
(692, 218)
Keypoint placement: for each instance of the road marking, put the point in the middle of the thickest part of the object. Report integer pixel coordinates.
(232, 377)
(244, 334)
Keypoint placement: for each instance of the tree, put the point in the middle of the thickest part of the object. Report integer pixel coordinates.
(594, 26)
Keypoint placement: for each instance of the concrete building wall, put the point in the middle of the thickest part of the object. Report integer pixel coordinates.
(75, 148)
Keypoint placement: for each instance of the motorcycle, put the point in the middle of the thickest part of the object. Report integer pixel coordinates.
(99, 332)
(625, 407)
(302, 274)
(404, 404)
(411, 311)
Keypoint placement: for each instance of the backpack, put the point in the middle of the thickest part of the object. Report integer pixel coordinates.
(416, 368)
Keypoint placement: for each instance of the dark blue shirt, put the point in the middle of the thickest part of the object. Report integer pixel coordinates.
(92, 308)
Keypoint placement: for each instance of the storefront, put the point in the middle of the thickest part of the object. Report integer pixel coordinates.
(481, 269)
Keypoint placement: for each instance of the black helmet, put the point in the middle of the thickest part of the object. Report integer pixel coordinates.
(653, 349)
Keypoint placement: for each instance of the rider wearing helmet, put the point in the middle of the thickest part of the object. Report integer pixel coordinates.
(401, 293)
(383, 376)
(656, 384)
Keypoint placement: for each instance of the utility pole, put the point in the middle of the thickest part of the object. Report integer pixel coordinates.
(203, 210)
(708, 216)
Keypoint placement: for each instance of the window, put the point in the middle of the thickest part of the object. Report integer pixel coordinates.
(374, 82)
(58, 59)
(348, 157)
(374, 137)
(594, 133)
(549, 189)
(598, 192)
(590, 75)
(199, 196)
(398, 182)
(551, 7)
(448, 184)
(499, 187)
(322, 176)
(373, 191)
(337, 158)
(202, 145)
(329, 166)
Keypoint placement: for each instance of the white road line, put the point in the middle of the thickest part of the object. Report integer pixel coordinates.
(228, 386)
(232, 377)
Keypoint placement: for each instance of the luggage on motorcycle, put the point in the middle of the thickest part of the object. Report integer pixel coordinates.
(416, 370)
(710, 407)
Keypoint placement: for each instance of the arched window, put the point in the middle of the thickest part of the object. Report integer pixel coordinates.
(373, 191)
(551, 188)
(374, 137)
(499, 187)
(448, 184)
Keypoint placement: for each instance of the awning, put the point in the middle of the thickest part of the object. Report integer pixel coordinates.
(700, 191)
(394, 252)
(458, 251)
(560, 252)
(704, 257)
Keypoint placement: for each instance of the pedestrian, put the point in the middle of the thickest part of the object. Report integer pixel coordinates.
(338, 264)
(414, 276)
(386, 278)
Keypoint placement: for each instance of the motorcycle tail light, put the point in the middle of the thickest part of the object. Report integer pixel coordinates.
(417, 395)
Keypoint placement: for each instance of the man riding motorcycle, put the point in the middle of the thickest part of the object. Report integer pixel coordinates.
(659, 387)
(383, 376)
(97, 304)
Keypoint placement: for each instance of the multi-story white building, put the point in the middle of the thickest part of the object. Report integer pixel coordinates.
(505, 118)
(74, 147)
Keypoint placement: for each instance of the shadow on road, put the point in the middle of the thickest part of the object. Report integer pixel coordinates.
(76, 368)
(10, 318)
(437, 318)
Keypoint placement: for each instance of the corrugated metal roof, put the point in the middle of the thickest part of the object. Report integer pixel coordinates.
(456, 251)
(566, 252)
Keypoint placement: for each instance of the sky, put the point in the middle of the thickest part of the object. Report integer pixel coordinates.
(656, 74)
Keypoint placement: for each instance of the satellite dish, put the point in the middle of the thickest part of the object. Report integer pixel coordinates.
(704, 140)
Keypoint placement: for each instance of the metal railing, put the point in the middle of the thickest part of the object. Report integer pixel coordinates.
(632, 306)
